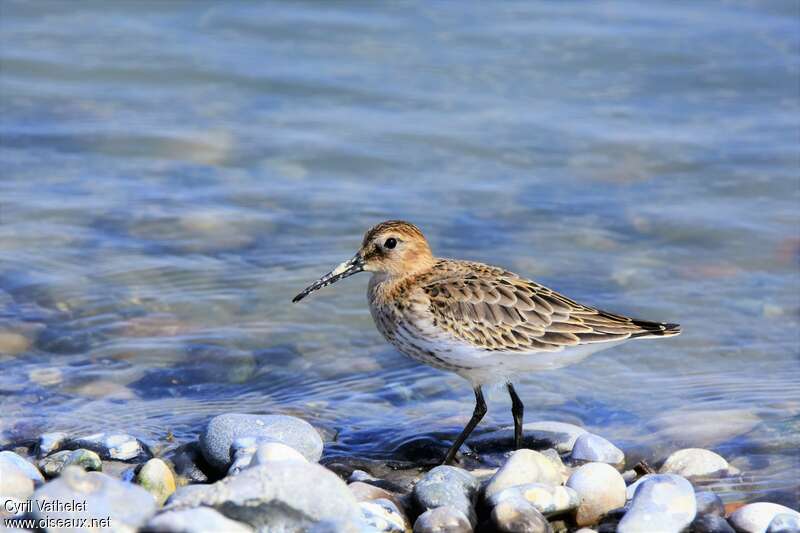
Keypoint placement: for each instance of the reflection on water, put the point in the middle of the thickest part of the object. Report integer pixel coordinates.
(172, 176)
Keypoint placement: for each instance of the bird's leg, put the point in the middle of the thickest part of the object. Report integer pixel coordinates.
(516, 410)
(477, 415)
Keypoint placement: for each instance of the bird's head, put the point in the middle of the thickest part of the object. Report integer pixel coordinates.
(393, 248)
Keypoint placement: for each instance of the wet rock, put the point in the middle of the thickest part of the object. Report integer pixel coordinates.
(53, 465)
(523, 466)
(189, 463)
(15, 483)
(784, 523)
(383, 516)
(46, 377)
(447, 486)
(756, 517)
(662, 502)
(25, 466)
(197, 520)
(709, 503)
(359, 475)
(442, 520)
(517, 514)
(591, 448)
(710, 523)
(157, 479)
(536, 435)
(279, 496)
(223, 430)
(50, 442)
(694, 462)
(547, 499)
(601, 490)
(128, 506)
(555, 458)
(117, 446)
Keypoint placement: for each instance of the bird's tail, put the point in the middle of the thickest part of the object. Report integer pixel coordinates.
(655, 329)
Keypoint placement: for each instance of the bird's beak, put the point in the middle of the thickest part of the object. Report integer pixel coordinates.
(348, 268)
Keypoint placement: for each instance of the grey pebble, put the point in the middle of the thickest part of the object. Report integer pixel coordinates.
(784, 523)
(197, 520)
(709, 503)
(382, 515)
(221, 432)
(117, 446)
(281, 496)
(50, 442)
(447, 486)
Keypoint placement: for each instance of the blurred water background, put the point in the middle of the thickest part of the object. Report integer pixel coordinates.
(172, 173)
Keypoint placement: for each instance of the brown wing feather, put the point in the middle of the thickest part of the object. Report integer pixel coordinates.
(495, 309)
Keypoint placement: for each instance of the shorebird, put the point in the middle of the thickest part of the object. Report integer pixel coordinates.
(482, 322)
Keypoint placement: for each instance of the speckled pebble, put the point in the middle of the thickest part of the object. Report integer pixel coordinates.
(694, 462)
(442, 520)
(515, 515)
(662, 502)
(601, 489)
(523, 466)
(756, 517)
(593, 448)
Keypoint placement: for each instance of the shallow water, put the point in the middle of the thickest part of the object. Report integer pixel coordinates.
(173, 173)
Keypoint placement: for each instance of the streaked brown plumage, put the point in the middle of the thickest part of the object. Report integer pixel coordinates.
(482, 322)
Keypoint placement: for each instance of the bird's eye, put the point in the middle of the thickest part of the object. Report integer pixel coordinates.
(390, 243)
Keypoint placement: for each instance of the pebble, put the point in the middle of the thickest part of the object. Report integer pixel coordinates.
(117, 446)
(223, 430)
(269, 452)
(53, 465)
(662, 502)
(547, 499)
(280, 496)
(383, 516)
(15, 483)
(128, 506)
(12, 343)
(517, 514)
(27, 467)
(591, 448)
(601, 489)
(694, 462)
(46, 377)
(756, 517)
(555, 457)
(784, 523)
(442, 520)
(710, 523)
(198, 520)
(187, 460)
(544, 434)
(50, 442)
(447, 486)
(365, 492)
(157, 479)
(709, 503)
(523, 466)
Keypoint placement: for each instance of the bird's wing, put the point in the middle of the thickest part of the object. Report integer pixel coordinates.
(508, 313)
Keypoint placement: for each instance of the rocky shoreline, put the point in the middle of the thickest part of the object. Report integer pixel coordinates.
(262, 473)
